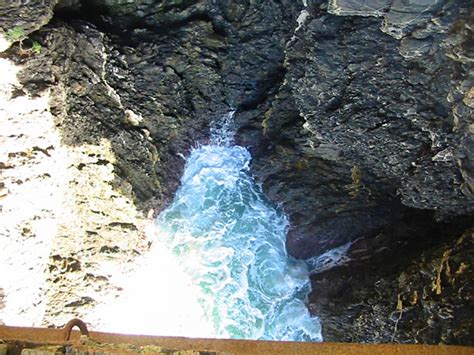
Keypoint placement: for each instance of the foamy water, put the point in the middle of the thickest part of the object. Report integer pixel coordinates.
(218, 266)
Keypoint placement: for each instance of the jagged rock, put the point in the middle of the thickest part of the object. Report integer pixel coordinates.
(358, 115)
(189, 74)
(19, 19)
(354, 96)
(128, 105)
(363, 122)
(414, 298)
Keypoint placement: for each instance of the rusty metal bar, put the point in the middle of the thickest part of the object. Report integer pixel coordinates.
(47, 336)
(75, 323)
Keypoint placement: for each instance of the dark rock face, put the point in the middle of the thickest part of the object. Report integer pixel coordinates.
(152, 87)
(88, 109)
(359, 118)
(414, 297)
(363, 101)
(369, 141)
(29, 17)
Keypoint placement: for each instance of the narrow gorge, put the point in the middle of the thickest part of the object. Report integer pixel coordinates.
(336, 204)
(218, 267)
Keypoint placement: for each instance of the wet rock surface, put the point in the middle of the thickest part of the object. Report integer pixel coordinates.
(416, 297)
(361, 101)
(368, 141)
(358, 116)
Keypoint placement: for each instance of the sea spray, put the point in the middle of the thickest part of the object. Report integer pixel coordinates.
(218, 266)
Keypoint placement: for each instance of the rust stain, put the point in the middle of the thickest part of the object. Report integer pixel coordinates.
(50, 337)
(444, 261)
(463, 267)
(399, 302)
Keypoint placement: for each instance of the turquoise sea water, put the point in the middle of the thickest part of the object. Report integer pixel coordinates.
(219, 257)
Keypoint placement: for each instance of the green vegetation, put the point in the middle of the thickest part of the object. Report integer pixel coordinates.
(16, 33)
(36, 47)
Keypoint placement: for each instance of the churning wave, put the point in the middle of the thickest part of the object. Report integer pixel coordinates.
(219, 266)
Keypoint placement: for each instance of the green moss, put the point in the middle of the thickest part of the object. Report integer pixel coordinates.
(36, 47)
(18, 34)
(15, 34)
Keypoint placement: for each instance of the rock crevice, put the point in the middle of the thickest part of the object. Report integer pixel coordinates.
(358, 116)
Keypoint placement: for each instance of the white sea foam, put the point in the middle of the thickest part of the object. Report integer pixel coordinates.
(331, 258)
(219, 267)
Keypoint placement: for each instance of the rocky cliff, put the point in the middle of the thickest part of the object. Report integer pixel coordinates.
(358, 116)
(369, 141)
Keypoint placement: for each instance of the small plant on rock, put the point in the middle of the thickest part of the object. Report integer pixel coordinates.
(15, 34)
(36, 47)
